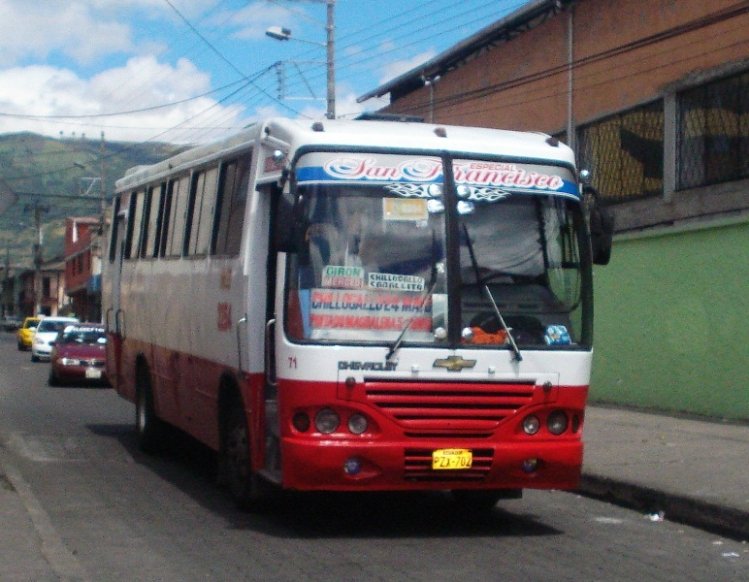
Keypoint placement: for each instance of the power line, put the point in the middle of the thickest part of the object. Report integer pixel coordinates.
(120, 113)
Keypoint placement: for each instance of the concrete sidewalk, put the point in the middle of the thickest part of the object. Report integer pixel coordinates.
(693, 471)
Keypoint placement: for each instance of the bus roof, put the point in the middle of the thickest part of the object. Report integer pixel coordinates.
(363, 134)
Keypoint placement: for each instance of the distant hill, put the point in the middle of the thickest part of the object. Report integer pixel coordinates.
(45, 170)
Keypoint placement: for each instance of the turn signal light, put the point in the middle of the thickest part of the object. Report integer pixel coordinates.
(301, 421)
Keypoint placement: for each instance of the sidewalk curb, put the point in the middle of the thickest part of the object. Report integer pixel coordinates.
(726, 521)
(61, 560)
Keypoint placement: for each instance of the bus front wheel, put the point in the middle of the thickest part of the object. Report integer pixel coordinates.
(244, 485)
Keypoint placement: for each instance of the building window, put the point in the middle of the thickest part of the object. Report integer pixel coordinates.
(624, 153)
(713, 132)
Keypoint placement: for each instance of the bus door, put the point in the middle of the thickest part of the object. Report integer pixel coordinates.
(270, 195)
(113, 318)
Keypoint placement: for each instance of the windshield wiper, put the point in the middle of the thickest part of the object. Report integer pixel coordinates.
(515, 349)
(399, 340)
(488, 293)
(432, 284)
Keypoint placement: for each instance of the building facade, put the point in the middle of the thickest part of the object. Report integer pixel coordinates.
(83, 266)
(653, 95)
(50, 277)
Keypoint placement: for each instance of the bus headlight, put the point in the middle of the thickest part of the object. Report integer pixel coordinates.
(357, 423)
(557, 422)
(531, 424)
(327, 421)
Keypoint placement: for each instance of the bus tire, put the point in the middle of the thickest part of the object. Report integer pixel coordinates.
(236, 462)
(148, 427)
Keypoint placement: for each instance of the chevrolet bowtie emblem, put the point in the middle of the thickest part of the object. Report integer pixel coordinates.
(454, 363)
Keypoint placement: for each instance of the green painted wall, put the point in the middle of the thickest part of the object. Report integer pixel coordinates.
(672, 322)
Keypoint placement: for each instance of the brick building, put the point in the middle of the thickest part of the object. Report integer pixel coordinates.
(83, 266)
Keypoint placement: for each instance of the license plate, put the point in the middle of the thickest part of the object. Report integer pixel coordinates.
(93, 374)
(451, 459)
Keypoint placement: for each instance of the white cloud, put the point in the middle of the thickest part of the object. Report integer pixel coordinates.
(251, 22)
(143, 82)
(396, 68)
(38, 29)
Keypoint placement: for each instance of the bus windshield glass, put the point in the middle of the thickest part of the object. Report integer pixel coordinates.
(375, 266)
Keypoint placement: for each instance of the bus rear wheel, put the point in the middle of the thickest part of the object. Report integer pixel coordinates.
(148, 427)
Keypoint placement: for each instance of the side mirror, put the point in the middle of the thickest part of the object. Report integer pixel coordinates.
(601, 223)
(289, 228)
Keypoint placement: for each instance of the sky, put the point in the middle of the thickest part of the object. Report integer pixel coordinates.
(191, 71)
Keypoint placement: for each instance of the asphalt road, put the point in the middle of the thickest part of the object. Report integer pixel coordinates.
(112, 513)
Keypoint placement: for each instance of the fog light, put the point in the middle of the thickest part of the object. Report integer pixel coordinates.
(557, 422)
(531, 424)
(352, 466)
(530, 465)
(357, 423)
(327, 421)
(301, 421)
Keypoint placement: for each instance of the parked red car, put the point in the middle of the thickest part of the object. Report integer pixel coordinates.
(78, 355)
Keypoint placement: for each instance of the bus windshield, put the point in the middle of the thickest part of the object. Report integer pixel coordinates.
(375, 265)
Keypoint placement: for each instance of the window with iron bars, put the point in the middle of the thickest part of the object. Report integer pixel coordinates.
(624, 153)
(713, 132)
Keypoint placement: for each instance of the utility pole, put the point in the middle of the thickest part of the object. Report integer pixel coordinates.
(102, 181)
(38, 258)
(330, 45)
(281, 33)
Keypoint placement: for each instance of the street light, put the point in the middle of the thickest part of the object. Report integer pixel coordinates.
(281, 33)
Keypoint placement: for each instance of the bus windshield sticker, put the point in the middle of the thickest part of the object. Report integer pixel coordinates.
(492, 181)
(343, 277)
(419, 176)
(367, 313)
(405, 209)
(393, 281)
(370, 168)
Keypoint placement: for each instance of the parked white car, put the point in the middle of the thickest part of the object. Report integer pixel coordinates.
(46, 333)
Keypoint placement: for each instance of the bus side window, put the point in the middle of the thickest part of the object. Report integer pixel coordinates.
(202, 211)
(132, 243)
(149, 247)
(165, 230)
(113, 232)
(178, 216)
(232, 199)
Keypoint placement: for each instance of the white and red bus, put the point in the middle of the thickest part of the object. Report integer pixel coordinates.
(359, 306)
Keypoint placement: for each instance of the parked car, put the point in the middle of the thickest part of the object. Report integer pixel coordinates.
(79, 355)
(46, 333)
(10, 323)
(25, 333)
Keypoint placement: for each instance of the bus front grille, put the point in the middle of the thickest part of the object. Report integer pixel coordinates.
(447, 410)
